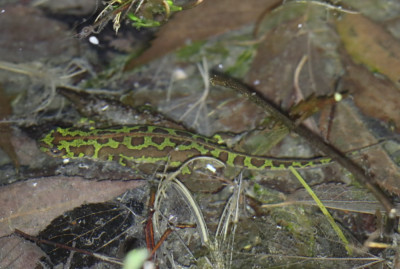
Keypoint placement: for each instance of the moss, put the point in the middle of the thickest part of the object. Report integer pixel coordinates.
(297, 222)
(265, 195)
(190, 50)
(242, 64)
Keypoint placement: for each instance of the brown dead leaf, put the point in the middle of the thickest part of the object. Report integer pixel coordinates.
(18, 253)
(370, 44)
(27, 35)
(274, 67)
(376, 97)
(350, 131)
(211, 18)
(31, 205)
(312, 105)
(383, 169)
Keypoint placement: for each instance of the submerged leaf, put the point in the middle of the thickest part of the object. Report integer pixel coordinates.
(17, 253)
(376, 97)
(370, 44)
(313, 104)
(30, 205)
(206, 20)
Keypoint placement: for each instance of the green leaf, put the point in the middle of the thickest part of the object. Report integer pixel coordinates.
(135, 258)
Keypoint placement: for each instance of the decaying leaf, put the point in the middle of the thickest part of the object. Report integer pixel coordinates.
(208, 19)
(273, 71)
(31, 205)
(370, 44)
(350, 131)
(17, 253)
(99, 227)
(313, 104)
(33, 36)
(376, 97)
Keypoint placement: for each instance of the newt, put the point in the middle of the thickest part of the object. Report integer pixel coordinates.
(148, 144)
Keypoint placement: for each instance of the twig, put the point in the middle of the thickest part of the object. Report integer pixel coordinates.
(148, 229)
(315, 141)
(296, 77)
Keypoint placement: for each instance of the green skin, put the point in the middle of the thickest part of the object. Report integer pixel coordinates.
(146, 144)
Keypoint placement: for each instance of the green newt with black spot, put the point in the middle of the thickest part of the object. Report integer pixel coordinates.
(147, 144)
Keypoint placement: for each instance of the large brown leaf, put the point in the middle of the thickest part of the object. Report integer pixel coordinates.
(31, 205)
(376, 97)
(208, 19)
(17, 253)
(370, 44)
(27, 35)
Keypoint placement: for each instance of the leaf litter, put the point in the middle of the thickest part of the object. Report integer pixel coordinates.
(276, 81)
